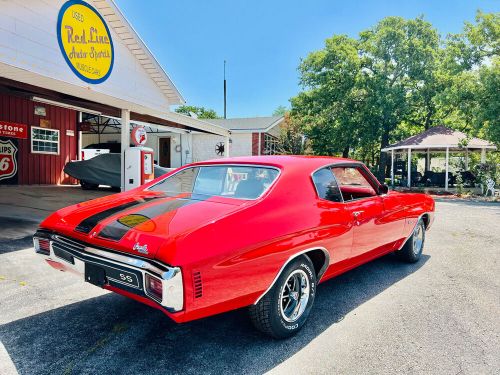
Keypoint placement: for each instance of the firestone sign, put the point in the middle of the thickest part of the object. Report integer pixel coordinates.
(85, 41)
(8, 161)
(13, 130)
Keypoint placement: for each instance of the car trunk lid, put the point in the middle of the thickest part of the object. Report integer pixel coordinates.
(140, 224)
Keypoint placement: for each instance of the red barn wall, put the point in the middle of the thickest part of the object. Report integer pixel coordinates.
(255, 144)
(33, 168)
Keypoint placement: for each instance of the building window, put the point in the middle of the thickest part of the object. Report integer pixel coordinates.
(270, 144)
(44, 141)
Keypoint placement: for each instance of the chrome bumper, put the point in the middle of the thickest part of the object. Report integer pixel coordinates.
(69, 255)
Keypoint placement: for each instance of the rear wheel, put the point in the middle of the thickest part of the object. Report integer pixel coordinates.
(412, 249)
(284, 309)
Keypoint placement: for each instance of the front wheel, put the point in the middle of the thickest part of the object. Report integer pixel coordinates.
(412, 249)
(284, 309)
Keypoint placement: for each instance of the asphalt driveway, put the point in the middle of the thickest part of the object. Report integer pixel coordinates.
(438, 316)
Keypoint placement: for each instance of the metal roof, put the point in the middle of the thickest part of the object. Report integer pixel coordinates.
(248, 124)
(440, 137)
(117, 21)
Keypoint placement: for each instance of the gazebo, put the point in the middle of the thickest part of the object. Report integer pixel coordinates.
(437, 139)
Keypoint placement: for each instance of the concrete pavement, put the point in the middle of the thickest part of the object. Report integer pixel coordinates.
(439, 316)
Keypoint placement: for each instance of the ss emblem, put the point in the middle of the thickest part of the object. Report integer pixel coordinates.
(126, 278)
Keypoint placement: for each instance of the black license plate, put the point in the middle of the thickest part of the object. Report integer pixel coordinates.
(95, 275)
(122, 277)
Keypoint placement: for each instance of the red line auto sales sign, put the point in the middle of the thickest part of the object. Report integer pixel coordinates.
(8, 161)
(13, 130)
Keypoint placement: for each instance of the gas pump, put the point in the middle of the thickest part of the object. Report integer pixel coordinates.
(139, 167)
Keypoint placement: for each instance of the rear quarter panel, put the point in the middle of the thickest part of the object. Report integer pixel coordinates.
(417, 205)
(239, 256)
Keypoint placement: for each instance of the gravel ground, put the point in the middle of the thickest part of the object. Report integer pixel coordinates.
(438, 316)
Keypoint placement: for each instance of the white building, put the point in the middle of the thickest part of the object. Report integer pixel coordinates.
(176, 147)
(71, 72)
(249, 136)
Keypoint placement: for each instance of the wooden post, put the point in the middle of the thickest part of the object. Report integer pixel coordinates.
(428, 161)
(392, 167)
(466, 159)
(125, 139)
(226, 146)
(80, 137)
(409, 167)
(260, 144)
(483, 155)
(446, 168)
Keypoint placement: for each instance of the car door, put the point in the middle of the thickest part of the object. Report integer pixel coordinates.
(335, 226)
(366, 209)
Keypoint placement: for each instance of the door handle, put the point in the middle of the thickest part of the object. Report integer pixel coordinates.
(356, 214)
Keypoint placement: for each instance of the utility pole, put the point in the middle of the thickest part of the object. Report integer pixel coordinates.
(225, 89)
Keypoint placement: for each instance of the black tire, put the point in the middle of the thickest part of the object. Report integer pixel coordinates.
(267, 315)
(88, 186)
(412, 249)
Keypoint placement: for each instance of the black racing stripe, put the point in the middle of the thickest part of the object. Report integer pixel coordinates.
(89, 223)
(116, 230)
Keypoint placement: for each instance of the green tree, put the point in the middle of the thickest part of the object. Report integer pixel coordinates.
(472, 93)
(399, 56)
(280, 111)
(488, 116)
(328, 106)
(477, 43)
(358, 91)
(291, 139)
(200, 112)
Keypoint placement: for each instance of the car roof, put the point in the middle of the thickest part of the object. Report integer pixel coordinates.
(282, 161)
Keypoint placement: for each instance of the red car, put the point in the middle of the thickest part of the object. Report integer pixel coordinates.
(220, 235)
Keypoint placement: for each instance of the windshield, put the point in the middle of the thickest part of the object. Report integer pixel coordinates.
(243, 182)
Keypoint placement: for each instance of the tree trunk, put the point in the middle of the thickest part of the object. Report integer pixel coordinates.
(427, 126)
(345, 152)
(384, 142)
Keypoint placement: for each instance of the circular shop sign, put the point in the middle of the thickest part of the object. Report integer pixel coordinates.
(85, 41)
(139, 136)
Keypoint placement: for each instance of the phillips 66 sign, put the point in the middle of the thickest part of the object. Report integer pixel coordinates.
(8, 160)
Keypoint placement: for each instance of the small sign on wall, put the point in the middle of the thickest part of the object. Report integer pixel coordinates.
(45, 123)
(70, 133)
(40, 111)
(8, 161)
(85, 41)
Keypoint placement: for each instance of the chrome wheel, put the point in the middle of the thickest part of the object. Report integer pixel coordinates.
(418, 239)
(294, 296)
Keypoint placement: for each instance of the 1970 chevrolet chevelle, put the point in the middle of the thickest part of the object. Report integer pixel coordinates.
(220, 235)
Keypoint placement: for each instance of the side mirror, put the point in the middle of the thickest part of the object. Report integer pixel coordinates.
(383, 189)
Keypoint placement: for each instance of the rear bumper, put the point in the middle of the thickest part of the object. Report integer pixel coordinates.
(122, 272)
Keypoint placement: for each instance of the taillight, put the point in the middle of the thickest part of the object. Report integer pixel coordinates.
(83, 155)
(42, 245)
(154, 286)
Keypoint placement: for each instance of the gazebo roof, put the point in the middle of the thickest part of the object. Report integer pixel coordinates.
(440, 138)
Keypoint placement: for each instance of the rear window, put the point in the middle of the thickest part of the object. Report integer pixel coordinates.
(242, 182)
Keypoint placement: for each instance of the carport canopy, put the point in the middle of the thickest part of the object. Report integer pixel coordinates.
(438, 139)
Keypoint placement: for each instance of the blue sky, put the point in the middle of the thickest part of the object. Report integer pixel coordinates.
(263, 41)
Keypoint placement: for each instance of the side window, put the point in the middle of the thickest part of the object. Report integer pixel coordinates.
(326, 185)
(353, 184)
